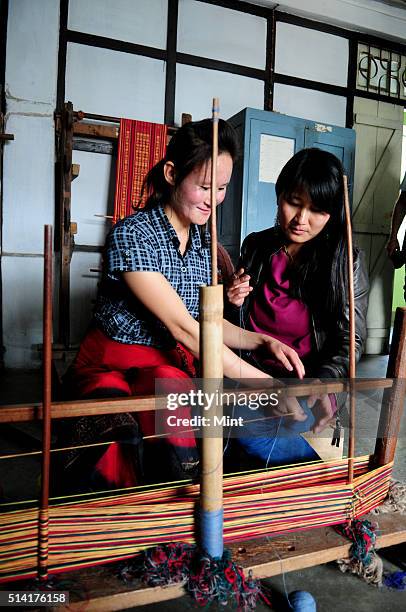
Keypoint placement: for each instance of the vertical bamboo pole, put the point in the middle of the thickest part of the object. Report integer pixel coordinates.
(213, 192)
(211, 356)
(351, 306)
(46, 409)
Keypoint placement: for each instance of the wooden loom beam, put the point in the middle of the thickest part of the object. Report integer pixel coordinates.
(15, 413)
(81, 127)
(64, 239)
(95, 130)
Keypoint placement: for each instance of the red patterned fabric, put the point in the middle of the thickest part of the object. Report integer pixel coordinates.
(103, 363)
(115, 467)
(141, 145)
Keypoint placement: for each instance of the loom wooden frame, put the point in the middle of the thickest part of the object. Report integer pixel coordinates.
(384, 452)
(310, 548)
(318, 546)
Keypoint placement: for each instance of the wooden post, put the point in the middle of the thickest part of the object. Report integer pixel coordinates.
(351, 441)
(64, 236)
(393, 399)
(211, 357)
(46, 423)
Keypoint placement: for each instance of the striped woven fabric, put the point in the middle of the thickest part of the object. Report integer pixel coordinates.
(108, 528)
(141, 145)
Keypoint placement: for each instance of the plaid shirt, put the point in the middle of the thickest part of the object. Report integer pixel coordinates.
(146, 241)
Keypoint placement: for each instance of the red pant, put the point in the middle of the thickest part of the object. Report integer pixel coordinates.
(103, 363)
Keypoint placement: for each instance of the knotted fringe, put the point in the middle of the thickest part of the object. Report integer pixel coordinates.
(205, 578)
(395, 501)
(363, 560)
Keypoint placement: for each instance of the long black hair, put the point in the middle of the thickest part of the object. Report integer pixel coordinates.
(320, 271)
(189, 147)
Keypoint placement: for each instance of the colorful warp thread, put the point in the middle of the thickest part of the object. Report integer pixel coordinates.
(141, 145)
(105, 528)
(207, 579)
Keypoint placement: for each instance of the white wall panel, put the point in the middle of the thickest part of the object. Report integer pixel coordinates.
(222, 34)
(137, 21)
(359, 15)
(310, 104)
(83, 292)
(92, 193)
(31, 54)
(22, 310)
(28, 196)
(196, 87)
(312, 55)
(114, 83)
(28, 180)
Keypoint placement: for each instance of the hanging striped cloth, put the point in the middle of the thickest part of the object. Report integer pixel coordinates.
(141, 145)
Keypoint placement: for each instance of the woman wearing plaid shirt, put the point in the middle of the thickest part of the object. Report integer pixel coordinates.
(146, 318)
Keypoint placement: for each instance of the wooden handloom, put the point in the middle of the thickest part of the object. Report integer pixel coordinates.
(363, 476)
(265, 556)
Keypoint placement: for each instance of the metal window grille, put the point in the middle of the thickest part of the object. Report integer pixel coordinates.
(381, 71)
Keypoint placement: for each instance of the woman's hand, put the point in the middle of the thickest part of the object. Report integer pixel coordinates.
(238, 288)
(322, 410)
(285, 354)
(289, 406)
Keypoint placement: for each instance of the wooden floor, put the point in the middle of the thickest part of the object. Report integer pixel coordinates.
(98, 588)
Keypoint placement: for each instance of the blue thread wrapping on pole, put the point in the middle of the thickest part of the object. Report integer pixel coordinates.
(211, 529)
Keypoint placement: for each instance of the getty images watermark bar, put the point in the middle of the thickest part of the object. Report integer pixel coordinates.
(192, 408)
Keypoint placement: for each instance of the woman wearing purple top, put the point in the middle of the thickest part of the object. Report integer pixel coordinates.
(291, 283)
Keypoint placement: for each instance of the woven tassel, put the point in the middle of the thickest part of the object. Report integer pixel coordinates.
(205, 578)
(363, 560)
